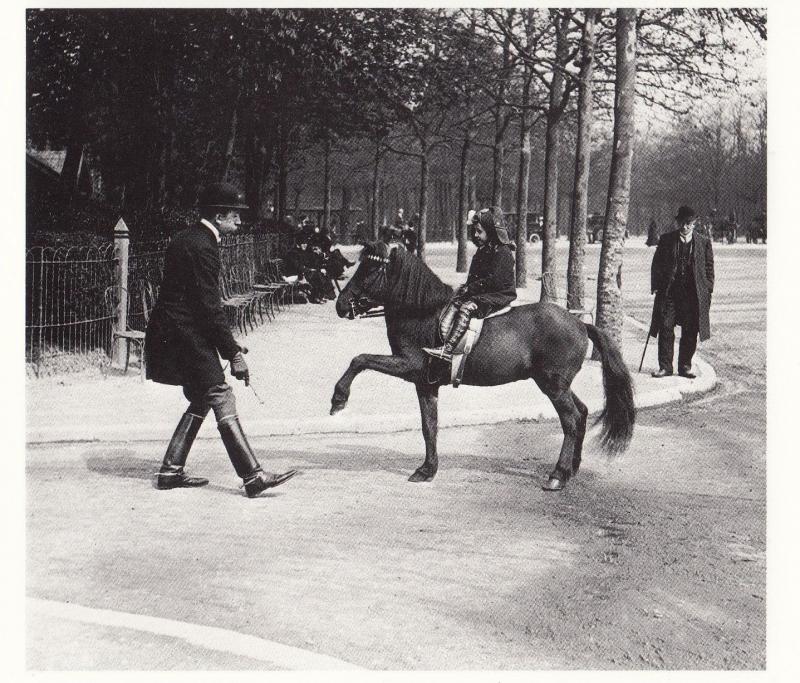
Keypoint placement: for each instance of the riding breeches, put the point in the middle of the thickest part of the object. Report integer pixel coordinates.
(456, 307)
(218, 398)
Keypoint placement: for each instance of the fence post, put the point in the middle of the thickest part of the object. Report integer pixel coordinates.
(121, 243)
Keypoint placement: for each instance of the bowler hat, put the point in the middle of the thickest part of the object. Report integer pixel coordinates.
(222, 196)
(685, 214)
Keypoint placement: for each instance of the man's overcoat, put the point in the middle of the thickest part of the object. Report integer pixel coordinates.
(665, 268)
(187, 328)
(491, 283)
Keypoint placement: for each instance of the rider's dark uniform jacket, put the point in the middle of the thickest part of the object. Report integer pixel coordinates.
(187, 327)
(491, 282)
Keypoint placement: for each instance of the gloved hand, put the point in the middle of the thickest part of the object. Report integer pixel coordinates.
(239, 369)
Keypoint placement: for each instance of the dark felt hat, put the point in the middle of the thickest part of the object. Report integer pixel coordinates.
(685, 214)
(221, 196)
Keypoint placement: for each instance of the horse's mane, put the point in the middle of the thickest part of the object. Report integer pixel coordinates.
(412, 287)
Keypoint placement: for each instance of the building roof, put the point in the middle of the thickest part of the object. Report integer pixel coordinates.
(48, 159)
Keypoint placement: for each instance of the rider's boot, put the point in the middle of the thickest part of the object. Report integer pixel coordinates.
(460, 326)
(171, 475)
(244, 460)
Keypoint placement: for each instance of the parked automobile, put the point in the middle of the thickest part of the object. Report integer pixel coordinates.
(534, 224)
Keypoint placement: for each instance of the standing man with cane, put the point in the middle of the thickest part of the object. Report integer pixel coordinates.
(186, 335)
(682, 278)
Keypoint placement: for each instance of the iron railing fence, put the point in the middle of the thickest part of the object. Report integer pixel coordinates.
(72, 295)
(66, 311)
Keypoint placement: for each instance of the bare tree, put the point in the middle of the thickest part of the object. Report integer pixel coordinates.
(609, 281)
(580, 194)
(560, 90)
(526, 121)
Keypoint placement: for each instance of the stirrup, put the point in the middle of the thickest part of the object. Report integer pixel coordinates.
(440, 352)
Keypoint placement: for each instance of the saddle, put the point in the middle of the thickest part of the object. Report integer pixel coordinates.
(466, 344)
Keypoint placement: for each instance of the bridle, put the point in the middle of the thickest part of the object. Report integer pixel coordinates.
(375, 281)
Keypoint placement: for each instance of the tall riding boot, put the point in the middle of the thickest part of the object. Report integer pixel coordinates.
(460, 326)
(244, 461)
(171, 475)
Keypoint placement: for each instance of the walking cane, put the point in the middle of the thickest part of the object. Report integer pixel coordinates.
(641, 362)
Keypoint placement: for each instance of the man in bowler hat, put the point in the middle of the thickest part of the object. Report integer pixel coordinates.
(682, 278)
(186, 335)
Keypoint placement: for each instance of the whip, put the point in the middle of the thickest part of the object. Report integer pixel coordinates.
(260, 400)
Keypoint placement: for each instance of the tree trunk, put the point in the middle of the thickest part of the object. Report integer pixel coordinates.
(376, 171)
(609, 280)
(326, 182)
(344, 214)
(229, 145)
(461, 213)
(522, 188)
(422, 234)
(550, 208)
(580, 193)
(71, 171)
(252, 171)
(498, 151)
(283, 171)
(551, 154)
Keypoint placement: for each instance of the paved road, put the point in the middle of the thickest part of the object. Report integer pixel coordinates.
(654, 560)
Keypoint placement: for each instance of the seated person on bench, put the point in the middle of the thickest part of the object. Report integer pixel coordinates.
(490, 284)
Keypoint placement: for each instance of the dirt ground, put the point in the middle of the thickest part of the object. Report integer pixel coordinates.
(654, 560)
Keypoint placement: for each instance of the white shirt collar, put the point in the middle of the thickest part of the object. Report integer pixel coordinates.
(688, 237)
(211, 227)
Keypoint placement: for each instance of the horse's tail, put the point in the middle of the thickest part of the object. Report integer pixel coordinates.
(619, 413)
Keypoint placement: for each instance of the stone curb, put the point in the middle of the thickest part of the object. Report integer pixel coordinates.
(674, 389)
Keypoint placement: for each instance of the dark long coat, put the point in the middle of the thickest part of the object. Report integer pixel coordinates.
(187, 331)
(664, 269)
(491, 283)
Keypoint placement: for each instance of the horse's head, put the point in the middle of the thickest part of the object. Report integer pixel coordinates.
(366, 289)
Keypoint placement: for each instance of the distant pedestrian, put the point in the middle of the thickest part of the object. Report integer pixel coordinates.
(652, 234)
(682, 278)
(305, 263)
(187, 334)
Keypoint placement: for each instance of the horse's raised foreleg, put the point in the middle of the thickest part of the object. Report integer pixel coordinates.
(429, 410)
(396, 366)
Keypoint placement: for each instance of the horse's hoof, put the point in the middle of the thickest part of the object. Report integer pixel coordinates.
(554, 484)
(422, 475)
(337, 407)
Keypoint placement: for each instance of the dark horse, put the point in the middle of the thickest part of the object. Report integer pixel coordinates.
(538, 341)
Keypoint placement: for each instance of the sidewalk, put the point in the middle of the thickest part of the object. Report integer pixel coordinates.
(294, 363)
